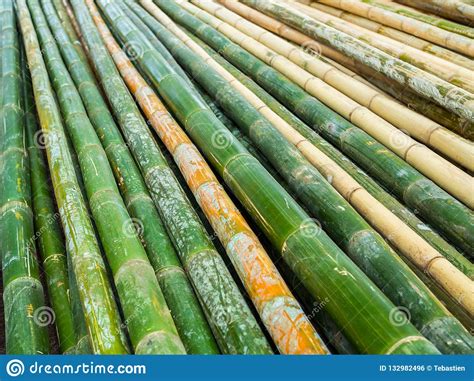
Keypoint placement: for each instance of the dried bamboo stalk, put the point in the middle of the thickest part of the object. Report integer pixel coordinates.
(448, 71)
(398, 35)
(385, 106)
(445, 174)
(427, 85)
(410, 21)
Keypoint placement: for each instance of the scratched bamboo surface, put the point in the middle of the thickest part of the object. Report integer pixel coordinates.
(242, 177)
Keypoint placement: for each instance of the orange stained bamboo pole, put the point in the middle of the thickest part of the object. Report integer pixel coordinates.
(280, 311)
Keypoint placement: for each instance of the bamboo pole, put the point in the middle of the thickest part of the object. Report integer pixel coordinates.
(442, 32)
(447, 95)
(23, 295)
(420, 128)
(448, 71)
(257, 272)
(314, 192)
(231, 320)
(374, 211)
(431, 110)
(457, 10)
(255, 196)
(149, 322)
(413, 41)
(367, 182)
(438, 169)
(96, 294)
(184, 306)
(435, 112)
(408, 184)
(48, 231)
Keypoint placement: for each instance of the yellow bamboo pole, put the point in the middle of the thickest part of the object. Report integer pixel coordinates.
(396, 34)
(438, 169)
(280, 311)
(459, 10)
(407, 242)
(383, 12)
(423, 129)
(450, 72)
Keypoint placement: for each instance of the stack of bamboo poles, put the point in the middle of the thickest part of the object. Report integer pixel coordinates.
(242, 177)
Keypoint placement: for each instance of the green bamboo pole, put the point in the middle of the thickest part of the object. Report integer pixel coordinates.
(395, 34)
(95, 291)
(185, 309)
(23, 296)
(148, 320)
(342, 222)
(457, 100)
(446, 213)
(82, 346)
(262, 196)
(49, 235)
(231, 320)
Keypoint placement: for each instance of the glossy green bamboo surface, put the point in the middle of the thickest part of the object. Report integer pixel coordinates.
(148, 320)
(23, 295)
(343, 224)
(233, 325)
(99, 307)
(48, 235)
(309, 254)
(185, 309)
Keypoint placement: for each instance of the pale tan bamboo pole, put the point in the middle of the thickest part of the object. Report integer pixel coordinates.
(420, 127)
(448, 71)
(441, 171)
(385, 13)
(410, 244)
(395, 34)
(451, 9)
